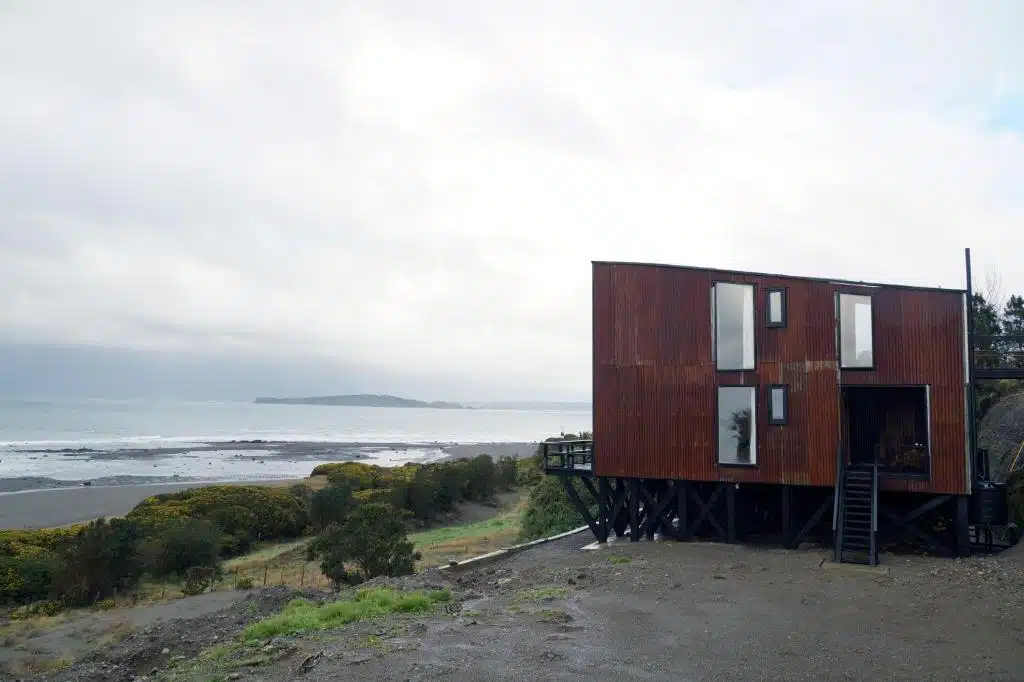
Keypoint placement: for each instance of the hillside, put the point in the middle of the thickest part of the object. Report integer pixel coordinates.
(361, 400)
(1001, 432)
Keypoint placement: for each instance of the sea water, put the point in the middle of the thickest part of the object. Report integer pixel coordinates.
(103, 439)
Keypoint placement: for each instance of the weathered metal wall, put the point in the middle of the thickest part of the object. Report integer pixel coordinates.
(655, 379)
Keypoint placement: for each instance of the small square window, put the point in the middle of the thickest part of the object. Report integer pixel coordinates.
(776, 307)
(778, 404)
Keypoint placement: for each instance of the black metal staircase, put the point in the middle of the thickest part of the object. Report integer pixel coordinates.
(857, 527)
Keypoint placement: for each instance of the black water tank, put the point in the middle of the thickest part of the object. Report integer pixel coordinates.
(991, 503)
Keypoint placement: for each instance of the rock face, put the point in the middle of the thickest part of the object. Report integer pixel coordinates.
(1001, 432)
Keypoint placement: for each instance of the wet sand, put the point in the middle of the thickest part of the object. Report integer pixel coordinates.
(64, 506)
(40, 503)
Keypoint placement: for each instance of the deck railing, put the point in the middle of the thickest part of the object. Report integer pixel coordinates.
(999, 357)
(568, 455)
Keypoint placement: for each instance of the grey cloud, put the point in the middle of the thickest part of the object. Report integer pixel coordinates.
(415, 189)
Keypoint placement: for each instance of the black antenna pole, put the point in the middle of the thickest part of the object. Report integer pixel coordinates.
(972, 409)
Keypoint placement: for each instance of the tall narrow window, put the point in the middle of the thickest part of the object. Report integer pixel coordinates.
(776, 307)
(778, 404)
(856, 343)
(737, 425)
(734, 326)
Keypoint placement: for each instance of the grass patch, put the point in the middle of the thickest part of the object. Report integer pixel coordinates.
(440, 545)
(302, 615)
(542, 594)
(619, 559)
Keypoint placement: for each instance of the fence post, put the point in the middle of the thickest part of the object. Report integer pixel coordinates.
(266, 568)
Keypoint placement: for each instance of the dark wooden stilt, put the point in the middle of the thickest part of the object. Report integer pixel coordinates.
(799, 537)
(787, 511)
(622, 507)
(707, 510)
(730, 512)
(682, 507)
(651, 495)
(574, 497)
(602, 508)
(634, 510)
(963, 532)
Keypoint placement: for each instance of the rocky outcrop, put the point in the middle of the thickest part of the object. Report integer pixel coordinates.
(1001, 432)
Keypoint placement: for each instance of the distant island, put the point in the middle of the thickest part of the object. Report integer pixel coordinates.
(362, 400)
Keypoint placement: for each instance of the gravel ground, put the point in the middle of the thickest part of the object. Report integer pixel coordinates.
(650, 610)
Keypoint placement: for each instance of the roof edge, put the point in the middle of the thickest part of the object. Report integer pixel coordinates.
(805, 278)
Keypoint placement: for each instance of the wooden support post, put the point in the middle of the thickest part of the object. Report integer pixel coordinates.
(794, 541)
(620, 518)
(730, 512)
(963, 534)
(602, 508)
(682, 506)
(634, 510)
(581, 507)
(787, 511)
(651, 498)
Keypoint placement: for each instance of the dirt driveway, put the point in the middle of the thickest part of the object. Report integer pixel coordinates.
(671, 611)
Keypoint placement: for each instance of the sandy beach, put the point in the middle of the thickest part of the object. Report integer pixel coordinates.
(42, 503)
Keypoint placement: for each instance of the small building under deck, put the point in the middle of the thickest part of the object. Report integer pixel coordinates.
(738, 405)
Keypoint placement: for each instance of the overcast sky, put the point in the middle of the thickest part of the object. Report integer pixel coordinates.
(417, 188)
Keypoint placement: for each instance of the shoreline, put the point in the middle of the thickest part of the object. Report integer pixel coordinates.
(23, 504)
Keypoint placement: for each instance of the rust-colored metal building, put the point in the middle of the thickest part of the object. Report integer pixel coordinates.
(663, 388)
(723, 399)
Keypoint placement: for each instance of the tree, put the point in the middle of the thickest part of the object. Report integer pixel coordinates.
(549, 510)
(98, 562)
(330, 505)
(481, 478)
(1013, 324)
(372, 540)
(986, 323)
(422, 495)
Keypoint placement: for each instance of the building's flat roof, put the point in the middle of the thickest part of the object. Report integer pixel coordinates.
(782, 276)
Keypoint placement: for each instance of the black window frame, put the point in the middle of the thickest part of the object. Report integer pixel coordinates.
(768, 307)
(753, 427)
(785, 405)
(839, 323)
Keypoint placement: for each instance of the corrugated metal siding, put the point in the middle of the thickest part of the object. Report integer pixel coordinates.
(654, 377)
(919, 340)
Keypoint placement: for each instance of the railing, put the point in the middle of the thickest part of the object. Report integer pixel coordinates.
(906, 458)
(999, 357)
(568, 455)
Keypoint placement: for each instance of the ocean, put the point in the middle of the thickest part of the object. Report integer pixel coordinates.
(121, 441)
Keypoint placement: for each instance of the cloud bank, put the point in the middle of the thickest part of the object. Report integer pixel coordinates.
(417, 189)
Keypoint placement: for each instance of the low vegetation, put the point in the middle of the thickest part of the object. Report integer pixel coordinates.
(356, 521)
(549, 510)
(303, 615)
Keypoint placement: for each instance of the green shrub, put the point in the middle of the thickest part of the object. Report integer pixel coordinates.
(1015, 490)
(98, 562)
(481, 478)
(178, 545)
(26, 578)
(549, 510)
(246, 513)
(373, 539)
(198, 579)
(105, 604)
(330, 505)
(243, 583)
